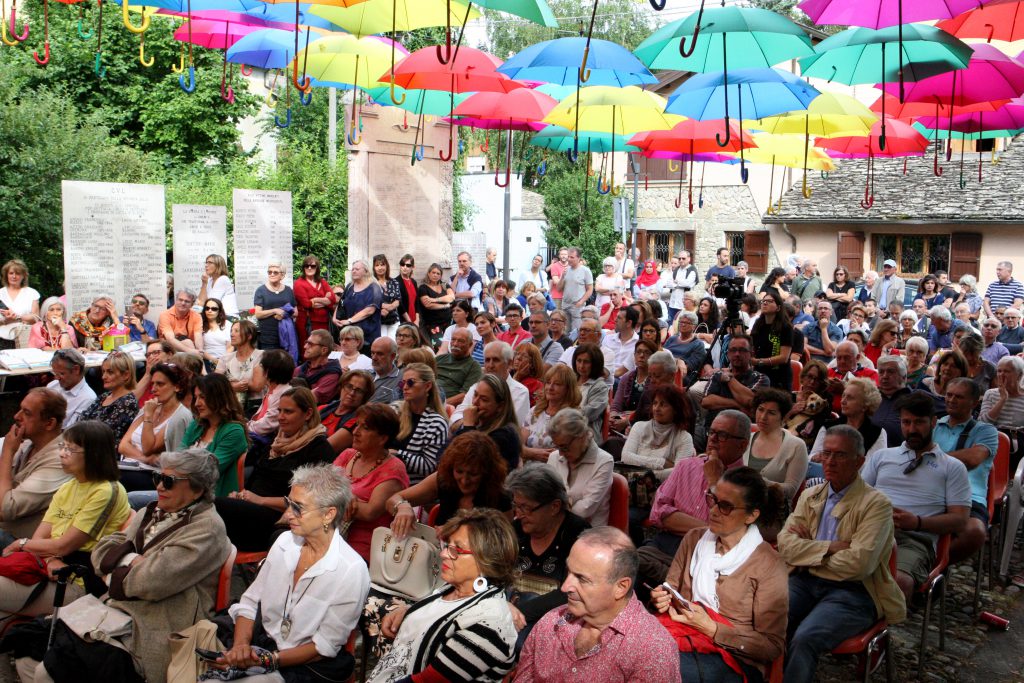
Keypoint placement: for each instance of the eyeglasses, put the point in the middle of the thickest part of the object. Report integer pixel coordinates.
(66, 447)
(712, 501)
(166, 480)
(273, 272)
(211, 308)
(453, 551)
(307, 266)
(991, 327)
(832, 455)
(185, 301)
(140, 302)
(913, 464)
(405, 265)
(297, 509)
(721, 436)
(404, 335)
(153, 354)
(520, 509)
(354, 389)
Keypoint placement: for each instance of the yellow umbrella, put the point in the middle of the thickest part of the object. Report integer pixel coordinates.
(828, 115)
(388, 16)
(348, 60)
(605, 109)
(789, 151)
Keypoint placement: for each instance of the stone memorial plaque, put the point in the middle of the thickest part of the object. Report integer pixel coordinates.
(262, 235)
(196, 232)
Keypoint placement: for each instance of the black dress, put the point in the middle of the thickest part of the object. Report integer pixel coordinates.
(839, 307)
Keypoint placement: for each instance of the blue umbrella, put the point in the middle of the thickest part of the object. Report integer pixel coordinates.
(558, 61)
(270, 48)
(285, 12)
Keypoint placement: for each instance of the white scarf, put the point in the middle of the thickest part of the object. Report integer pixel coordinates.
(706, 565)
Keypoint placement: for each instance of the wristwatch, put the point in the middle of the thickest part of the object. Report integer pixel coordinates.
(21, 543)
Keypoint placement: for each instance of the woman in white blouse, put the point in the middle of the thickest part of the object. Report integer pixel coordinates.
(662, 441)
(216, 333)
(20, 302)
(560, 391)
(585, 468)
(216, 284)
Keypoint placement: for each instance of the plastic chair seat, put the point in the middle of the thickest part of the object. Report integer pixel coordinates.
(855, 645)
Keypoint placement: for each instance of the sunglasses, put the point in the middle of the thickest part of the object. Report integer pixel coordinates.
(712, 501)
(297, 509)
(913, 464)
(410, 383)
(307, 266)
(405, 265)
(166, 480)
(211, 308)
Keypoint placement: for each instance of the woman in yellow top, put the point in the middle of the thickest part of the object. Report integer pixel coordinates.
(89, 506)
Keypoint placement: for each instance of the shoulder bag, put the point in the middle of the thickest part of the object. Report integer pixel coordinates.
(410, 567)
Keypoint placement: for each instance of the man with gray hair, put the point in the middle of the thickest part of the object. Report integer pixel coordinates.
(940, 334)
(892, 383)
(1004, 291)
(576, 285)
(180, 325)
(1012, 334)
(680, 504)
(661, 369)
(550, 350)
(994, 349)
(807, 284)
(603, 633)
(589, 333)
(466, 282)
(383, 353)
(68, 367)
(839, 539)
(457, 371)
(498, 357)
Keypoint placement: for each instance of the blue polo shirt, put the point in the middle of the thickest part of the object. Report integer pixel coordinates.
(982, 434)
(942, 340)
(812, 334)
(1001, 295)
(135, 335)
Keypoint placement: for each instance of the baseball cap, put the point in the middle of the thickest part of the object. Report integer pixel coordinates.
(889, 263)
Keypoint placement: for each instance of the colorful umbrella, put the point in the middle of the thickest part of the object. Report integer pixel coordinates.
(557, 61)
(429, 102)
(1006, 121)
(859, 55)
(536, 11)
(605, 109)
(266, 48)
(882, 13)
(559, 139)
(999, 22)
(759, 38)
(390, 16)
(788, 151)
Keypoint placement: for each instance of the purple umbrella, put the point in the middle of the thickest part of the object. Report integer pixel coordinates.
(1007, 118)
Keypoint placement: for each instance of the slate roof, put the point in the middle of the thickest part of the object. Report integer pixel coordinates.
(919, 196)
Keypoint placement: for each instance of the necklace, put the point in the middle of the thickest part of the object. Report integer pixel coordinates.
(286, 618)
(352, 467)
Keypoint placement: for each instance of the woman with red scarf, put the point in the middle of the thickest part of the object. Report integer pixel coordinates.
(647, 286)
(315, 297)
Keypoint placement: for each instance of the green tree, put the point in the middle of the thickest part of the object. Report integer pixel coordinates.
(576, 216)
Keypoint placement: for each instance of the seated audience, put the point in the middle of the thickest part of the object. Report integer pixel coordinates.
(423, 430)
(180, 325)
(540, 325)
(588, 362)
(928, 498)
(238, 365)
(162, 571)
(487, 329)
(732, 387)
(274, 373)
(617, 346)
(560, 391)
(882, 340)
(847, 366)
(408, 336)
(858, 403)
(68, 368)
(981, 371)
(386, 374)
(685, 346)
(940, 335)
(320, 372)
(1012, 333)
(777, 455)
(350, 342)
(251, 515)
(493, 414)
(892, 384)
(916, 353)
(679, 504)
(90, 325)
(838, 539)
(474, 639)
(557, 323)
(51, 332)
(462, 319)
(1003, 405)
(310, 590)
(601, 608)
(83, 510)
(812, 407)
(631, 387)
(822, 335)
(498, 361)
(948, 366)
(994, 349)
(339, 417)
(456, 369)
(116, 406)
(661, 442)
(589, 332)
(729, 571)
(219, 427)
(585, 468)
(515, 334)
(528, 369)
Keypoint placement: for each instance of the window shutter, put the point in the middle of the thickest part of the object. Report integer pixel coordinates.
(755, 250)
(964, 255)
(690, 243)
(851, 253)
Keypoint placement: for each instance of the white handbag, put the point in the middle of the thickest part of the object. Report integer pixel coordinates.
(410, 567)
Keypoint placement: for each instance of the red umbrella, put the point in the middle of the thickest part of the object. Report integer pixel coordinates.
(691, 137)
(902, 140)
(994, 21)
(468, 70)
(521, 109)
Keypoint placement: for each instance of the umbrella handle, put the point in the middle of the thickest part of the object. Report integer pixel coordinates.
(658, 6)
(995, 159)
(97, 66)
(584, 71)
(180, 66)
(823, 174)
(13, 30)
(446, 56)
(806, 190)
(419, 152)
(991, 31)
(572, 155)
(671, 169)
(744, 172)
(46, 55)
(287, 120)
(542, 168)
(616, 190)
(81, 32)
(881, 138)
(354, 136)
(142, 54)
(191, 85)
(728, 135)
(245, 70)
(126, 20)
(979, 168)
(936, 169)
(603, 186)
(306, 98)
(486, 147)
(447, 156)
(394, 100)
(683, 52)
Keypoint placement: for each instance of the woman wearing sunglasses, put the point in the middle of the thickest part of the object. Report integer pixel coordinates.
(315, 297)
(91, 505)
(308, 595)
(269, 304)
(736, 585)
(465, 631)
(252, 514)
(423, 422)
(216, 333)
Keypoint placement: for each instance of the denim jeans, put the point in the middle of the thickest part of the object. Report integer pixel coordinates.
(711, 668)
(822, 614)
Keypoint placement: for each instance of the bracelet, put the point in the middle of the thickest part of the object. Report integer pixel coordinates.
(147, 422)
(399, 503)
(918, 528)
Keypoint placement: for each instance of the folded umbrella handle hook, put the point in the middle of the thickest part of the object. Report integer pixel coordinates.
(394, 100)
(287, 120)
(191, 85)
(603, 186)
(683, 51)
(126, 20)
(744, 172)
(658, 6)
(245, 70)
(542, 167)
(14, 31)
(728, 135)
(806, 190)
(306, 97)
(46, 55)
(97, 66)
(142, 55)
(671, 168)
(447, 156)
(584, 71)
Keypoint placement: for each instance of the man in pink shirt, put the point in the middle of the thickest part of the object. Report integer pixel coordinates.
(555, 271)
(680, 504)
(603, 633)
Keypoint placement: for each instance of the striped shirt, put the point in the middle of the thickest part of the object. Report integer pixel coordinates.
(1002, 294)
(421, 450)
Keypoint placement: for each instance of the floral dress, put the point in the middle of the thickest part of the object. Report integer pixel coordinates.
(119, 415)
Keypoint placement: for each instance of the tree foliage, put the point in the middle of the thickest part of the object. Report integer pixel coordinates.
(576, 216)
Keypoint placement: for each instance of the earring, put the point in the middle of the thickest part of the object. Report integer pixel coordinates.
(327, 528)
(480, 584)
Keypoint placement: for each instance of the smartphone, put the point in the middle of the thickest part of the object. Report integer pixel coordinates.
(208, 655)
(680, 600)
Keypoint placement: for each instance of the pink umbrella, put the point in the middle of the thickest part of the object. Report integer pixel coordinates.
(901, 141)
(1009, 117)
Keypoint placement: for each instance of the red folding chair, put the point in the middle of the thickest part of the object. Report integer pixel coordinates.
(224, 581)
(796, 367)
(618, 508)
(875, 640)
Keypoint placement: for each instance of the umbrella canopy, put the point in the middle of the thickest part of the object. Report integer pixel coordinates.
(882, 13)
(618, 110)
(348, 60)
(536, 11)
(286, 13)
(266, 48)
(903, 140)
(520, 106)
(469, 71)
(559, 139)
(689, 137)
(558, 61)
(429, 102)
(1010, 117)
(862, 55)
(789, 151)
(755, 93)
(725, 37)
(989, 22)
(990, 75)
(220, 29)
(828, 115)
(383, 16)
(909, 111)
(939, 133)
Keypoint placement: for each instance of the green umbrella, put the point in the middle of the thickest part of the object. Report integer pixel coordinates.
(536, 11)
(757, 38)
(864, 55)
(560, 139)
(429, 102)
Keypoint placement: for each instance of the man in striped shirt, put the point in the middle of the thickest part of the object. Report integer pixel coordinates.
(1004, 291)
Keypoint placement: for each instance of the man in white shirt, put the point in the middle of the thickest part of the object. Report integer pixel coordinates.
(498, 357)
(68, 366)
(466, 282)
(590, 333)
(618, 348)
(623, 266)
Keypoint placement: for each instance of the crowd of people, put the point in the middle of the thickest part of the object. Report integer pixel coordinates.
(774, 448)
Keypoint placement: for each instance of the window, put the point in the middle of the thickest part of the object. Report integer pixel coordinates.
(750, 246)
(915, 255)
(734, 242)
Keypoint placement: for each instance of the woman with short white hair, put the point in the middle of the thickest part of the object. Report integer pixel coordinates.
(916, 351)
(908, 328)
(585, 468)
(607, 282)
(1003, 405)
(269, 303)
(969, 295)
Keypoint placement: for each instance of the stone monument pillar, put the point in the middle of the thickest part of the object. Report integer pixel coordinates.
(395, 207)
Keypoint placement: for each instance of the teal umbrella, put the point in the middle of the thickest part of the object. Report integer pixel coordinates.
(757, 38)
(429, 102)
(863, 55)
(559, 139)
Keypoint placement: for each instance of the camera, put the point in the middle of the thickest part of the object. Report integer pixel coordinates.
(731, 290)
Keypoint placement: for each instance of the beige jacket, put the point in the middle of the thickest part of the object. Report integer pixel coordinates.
(865, 521)
(35, 481)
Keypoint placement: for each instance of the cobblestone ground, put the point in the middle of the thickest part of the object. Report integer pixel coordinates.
(964, 635)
